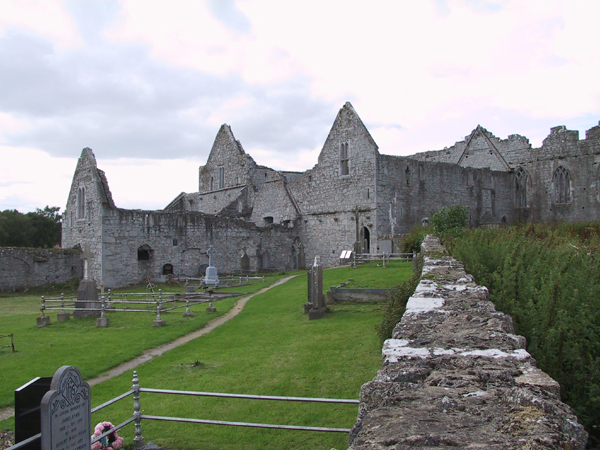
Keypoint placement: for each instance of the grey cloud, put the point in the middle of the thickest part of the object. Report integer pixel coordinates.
(120, 102)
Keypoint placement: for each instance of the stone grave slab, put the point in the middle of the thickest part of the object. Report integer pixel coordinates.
(66, 413)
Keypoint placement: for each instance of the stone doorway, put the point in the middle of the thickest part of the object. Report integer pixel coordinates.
(365, 239)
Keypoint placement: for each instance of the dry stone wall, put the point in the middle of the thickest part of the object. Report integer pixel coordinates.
(26, 268)
(455, 375)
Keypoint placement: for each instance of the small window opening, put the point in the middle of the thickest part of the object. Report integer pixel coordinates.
(268, 220)
(81, 203)
(212, 184)
(174, 242)
(310, 178)
(168, 269)
(344, 169)
(143, 254)
(221, 177)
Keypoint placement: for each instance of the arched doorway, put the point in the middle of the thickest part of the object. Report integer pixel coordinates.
(245, 263)
(365, 236)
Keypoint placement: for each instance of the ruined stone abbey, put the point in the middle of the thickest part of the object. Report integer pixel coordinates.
(354, 198)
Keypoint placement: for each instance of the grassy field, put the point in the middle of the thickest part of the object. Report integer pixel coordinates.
(78, 342)
(270, 348)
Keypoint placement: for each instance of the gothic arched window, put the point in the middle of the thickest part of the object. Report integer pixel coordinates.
(521, 183)
(561, 185)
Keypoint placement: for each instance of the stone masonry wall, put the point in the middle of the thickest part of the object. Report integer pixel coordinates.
(86, 229)
(25, 268)
(182, 240)
(411, 190)
(226, 153)
(455, 375)
(336, 208)
(274, 201)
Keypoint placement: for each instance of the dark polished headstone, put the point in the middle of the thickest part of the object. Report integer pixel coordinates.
(27, 410)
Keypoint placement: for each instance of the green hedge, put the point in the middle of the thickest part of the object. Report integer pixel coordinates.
(548, 279)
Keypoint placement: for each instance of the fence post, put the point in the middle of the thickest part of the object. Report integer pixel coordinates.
(187, 312)
(137, 412)
(159, 322)
(102, 321)
(43, 320)
(62, 316)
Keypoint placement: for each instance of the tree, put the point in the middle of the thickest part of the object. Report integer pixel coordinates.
(41, 228)
(450, 220)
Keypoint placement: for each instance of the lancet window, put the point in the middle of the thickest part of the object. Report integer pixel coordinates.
(521, 183)
(344, 166)
(81, 203)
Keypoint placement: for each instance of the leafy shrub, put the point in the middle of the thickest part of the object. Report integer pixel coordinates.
(548, 279)
(452, 219)
(411, 242)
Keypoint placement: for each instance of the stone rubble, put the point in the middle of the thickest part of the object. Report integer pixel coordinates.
(455, 375)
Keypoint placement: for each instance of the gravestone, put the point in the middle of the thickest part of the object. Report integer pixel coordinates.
(27, 410)
(88, 291)
(211, 277)
(316, 301)
(66, 413)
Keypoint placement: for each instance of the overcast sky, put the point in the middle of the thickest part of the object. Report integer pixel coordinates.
(147, 84)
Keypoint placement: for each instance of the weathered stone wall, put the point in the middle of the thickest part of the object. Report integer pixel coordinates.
(336, 208)
(227, 154)
(562, 148)
(455, 375)
(413, 190)
(82, 224)
(274, 201)
(182, 240)
(25, 268)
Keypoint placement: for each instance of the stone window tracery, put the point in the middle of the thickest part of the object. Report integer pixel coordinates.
(344, 160)
(521, 183)
(561, 185)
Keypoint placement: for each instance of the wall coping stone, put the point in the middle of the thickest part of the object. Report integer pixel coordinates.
(455, 375)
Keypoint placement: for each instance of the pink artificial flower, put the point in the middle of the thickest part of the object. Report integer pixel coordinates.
(105, 442)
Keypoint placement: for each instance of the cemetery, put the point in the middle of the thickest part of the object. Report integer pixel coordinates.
(208, 358)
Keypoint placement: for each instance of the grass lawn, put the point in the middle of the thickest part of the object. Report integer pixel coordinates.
(270, 348)
(78, 342)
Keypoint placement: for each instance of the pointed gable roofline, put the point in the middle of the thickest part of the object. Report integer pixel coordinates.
(225, 135)
(480, 130)
(88, 159)
(349, 109)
